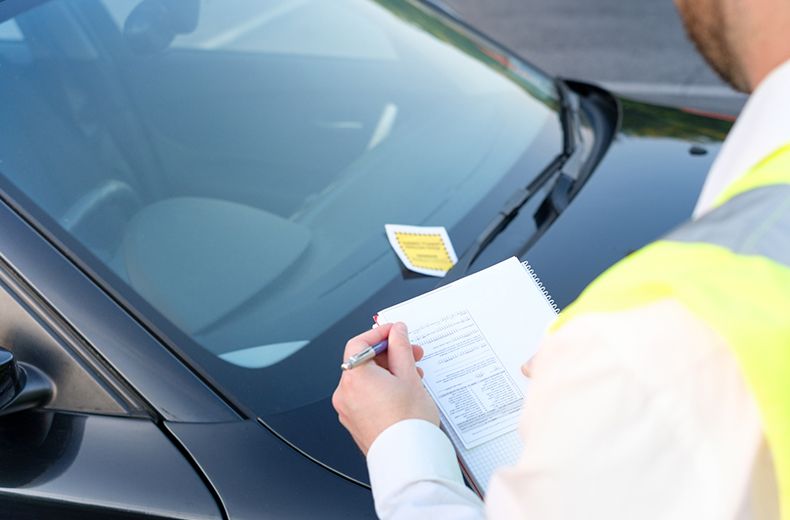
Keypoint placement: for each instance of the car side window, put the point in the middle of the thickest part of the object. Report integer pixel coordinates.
(38, 337)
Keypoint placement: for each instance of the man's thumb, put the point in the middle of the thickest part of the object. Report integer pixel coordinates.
(399, 352)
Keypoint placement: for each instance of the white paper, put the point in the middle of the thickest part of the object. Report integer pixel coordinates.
(476, 333)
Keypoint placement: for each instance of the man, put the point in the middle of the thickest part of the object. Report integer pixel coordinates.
(664, 391)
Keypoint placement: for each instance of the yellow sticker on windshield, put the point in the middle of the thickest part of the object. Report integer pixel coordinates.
(425, 250)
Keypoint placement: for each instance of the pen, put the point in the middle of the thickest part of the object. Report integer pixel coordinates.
(361, 357)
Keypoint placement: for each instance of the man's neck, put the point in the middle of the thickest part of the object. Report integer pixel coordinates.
(766, 63)
(763, 40)
(762, 128)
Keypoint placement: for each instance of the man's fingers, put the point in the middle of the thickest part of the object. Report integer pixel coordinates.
(404, 357)
(365, 340)
(400, 354)
(419, 352)
(527, 368)
(384, 362)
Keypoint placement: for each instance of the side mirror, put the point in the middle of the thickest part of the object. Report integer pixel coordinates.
(153, 24)
(22, 386)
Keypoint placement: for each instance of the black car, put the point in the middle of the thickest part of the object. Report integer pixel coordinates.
(192, 221)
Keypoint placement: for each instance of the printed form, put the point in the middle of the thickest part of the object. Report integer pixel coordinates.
(476, 333)
(466, 379)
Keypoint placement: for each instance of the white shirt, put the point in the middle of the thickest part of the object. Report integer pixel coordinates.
(624, 418)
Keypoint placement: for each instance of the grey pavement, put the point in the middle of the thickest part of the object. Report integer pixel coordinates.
(636, 47)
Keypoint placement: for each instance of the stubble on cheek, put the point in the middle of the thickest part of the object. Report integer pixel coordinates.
(706, 25)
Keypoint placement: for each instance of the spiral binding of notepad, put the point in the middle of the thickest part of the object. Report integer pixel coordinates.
(540, 285)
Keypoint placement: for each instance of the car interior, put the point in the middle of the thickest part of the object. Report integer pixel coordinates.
(222, 176)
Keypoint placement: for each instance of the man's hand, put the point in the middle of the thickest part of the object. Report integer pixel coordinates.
(377, 394)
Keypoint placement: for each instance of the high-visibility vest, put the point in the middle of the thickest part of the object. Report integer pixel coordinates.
(731, 269)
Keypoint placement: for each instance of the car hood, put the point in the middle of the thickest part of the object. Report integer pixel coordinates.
(645, 185)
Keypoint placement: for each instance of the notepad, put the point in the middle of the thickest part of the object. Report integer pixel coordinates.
(476, 333)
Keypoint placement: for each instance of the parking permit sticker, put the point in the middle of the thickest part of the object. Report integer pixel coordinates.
(424, 250)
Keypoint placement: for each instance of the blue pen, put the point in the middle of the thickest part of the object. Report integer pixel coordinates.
(361, 357)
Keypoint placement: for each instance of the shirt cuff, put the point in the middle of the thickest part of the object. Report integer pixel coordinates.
(410, 451)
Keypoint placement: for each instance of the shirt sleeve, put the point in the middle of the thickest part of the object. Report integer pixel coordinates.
(414, 473)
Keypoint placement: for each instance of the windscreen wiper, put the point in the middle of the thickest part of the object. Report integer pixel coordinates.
(573, 143)
(567, 164)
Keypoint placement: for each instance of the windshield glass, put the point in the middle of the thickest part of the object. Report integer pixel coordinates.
(227, 167)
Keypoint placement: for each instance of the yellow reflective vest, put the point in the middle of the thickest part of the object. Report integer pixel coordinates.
(731, 269)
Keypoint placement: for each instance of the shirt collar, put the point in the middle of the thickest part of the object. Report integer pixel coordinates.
(762, 127)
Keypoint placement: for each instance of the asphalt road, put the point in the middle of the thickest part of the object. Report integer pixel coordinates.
(636, 47)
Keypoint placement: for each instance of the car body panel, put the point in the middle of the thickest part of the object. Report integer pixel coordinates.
(111, 467)
(257, 475)
(646, 185)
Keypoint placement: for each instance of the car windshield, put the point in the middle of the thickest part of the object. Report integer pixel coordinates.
(225, 168)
